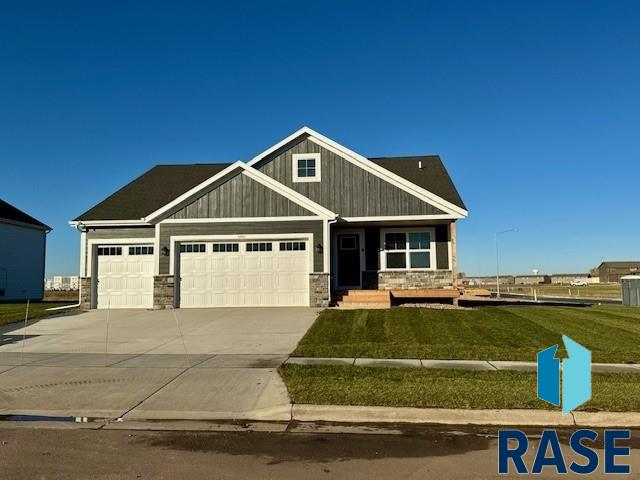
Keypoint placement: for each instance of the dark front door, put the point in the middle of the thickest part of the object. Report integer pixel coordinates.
(349, 270)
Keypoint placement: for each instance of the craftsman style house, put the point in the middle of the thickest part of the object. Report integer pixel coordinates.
(300, 224)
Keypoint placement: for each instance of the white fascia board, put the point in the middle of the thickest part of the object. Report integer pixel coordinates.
(254, 175)
(240, 219)
(287, 192)
(389, 176)
(401, 217)
(109, 223)
(280, 144)
(367, 165)
(193, 191)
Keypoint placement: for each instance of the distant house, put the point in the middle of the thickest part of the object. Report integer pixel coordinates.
(532, 279)
(612, 271)
(565, 278)
(22, 254)
(63, 283)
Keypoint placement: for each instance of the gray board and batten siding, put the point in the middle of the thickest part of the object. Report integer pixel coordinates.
(314, 227)
(240, 197)
(345, 188)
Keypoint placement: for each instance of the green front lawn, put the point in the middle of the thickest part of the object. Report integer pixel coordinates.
(612, 333)
(433, 388)
(14, 312)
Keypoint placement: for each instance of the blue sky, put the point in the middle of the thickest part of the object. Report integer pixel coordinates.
(534, 106)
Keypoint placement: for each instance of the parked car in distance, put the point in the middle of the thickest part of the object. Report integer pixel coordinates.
(578, 283)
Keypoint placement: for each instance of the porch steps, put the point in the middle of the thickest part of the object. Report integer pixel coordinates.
(364, 299)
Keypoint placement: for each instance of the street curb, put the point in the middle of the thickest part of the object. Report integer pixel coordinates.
(521, 417)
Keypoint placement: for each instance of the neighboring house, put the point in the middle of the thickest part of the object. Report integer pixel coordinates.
(531, 279)
(487, 280)
(305, 218)
(611, 272)
(565, 278)
(22, 254)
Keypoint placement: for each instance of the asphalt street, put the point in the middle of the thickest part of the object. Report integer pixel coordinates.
(69, 451)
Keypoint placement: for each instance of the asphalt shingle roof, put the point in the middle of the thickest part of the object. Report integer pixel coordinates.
(164, 183)
(151, 191)
(9, 212)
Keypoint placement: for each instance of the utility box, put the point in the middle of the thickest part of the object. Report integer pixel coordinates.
(631, 290)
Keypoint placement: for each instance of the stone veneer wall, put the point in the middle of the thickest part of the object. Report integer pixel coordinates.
(319, 295)
(163, 292)
(414, 280)
(85, 293)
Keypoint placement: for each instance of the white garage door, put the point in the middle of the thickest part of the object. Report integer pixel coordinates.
(256, 273)
(125, 276)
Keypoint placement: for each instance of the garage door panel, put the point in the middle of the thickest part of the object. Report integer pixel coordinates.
(125, 281)
(246, 278)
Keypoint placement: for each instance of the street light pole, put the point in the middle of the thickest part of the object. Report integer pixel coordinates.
(498, 259)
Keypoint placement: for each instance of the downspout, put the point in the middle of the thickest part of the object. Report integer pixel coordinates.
(78, 226)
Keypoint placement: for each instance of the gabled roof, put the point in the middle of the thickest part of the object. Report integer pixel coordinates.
(387, 175)
(151, 191)
(12, 214)
(433, 175)
(164, 185)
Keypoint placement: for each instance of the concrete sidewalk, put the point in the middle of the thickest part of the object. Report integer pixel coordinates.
(452, 364)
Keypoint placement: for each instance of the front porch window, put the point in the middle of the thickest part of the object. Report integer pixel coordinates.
(410, 249)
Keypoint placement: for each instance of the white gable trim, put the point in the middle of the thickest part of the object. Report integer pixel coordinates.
(370, 167)
(254, 175)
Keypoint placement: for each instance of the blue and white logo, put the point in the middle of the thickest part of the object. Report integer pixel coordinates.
(576, 376)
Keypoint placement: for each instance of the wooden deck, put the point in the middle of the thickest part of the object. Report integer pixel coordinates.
(386, 298)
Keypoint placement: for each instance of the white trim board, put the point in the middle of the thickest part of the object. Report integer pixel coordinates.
(399, 217)
(367, 165)
(241, 219)
(116, 241)
(254, 175)
(110, 223)
(296, 157)
(270, 237)
(433, 258)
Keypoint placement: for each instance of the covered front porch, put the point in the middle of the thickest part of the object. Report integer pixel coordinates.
(382, 262)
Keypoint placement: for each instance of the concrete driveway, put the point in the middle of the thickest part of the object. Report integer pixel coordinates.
(137, 364)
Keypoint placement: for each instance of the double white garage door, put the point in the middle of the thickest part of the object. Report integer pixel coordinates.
(260, 273)
(209, 274)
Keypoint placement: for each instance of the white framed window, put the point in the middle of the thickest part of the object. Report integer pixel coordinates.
(306, 167)
(408, 249)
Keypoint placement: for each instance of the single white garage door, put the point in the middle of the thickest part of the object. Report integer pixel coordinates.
(125, 276)
(252, 273)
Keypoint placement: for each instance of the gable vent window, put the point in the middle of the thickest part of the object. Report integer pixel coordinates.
(192, 248)
(112, 251)
(259, 247)
(140, 250)
(306, 167)
(292, 246)
(225, 247)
